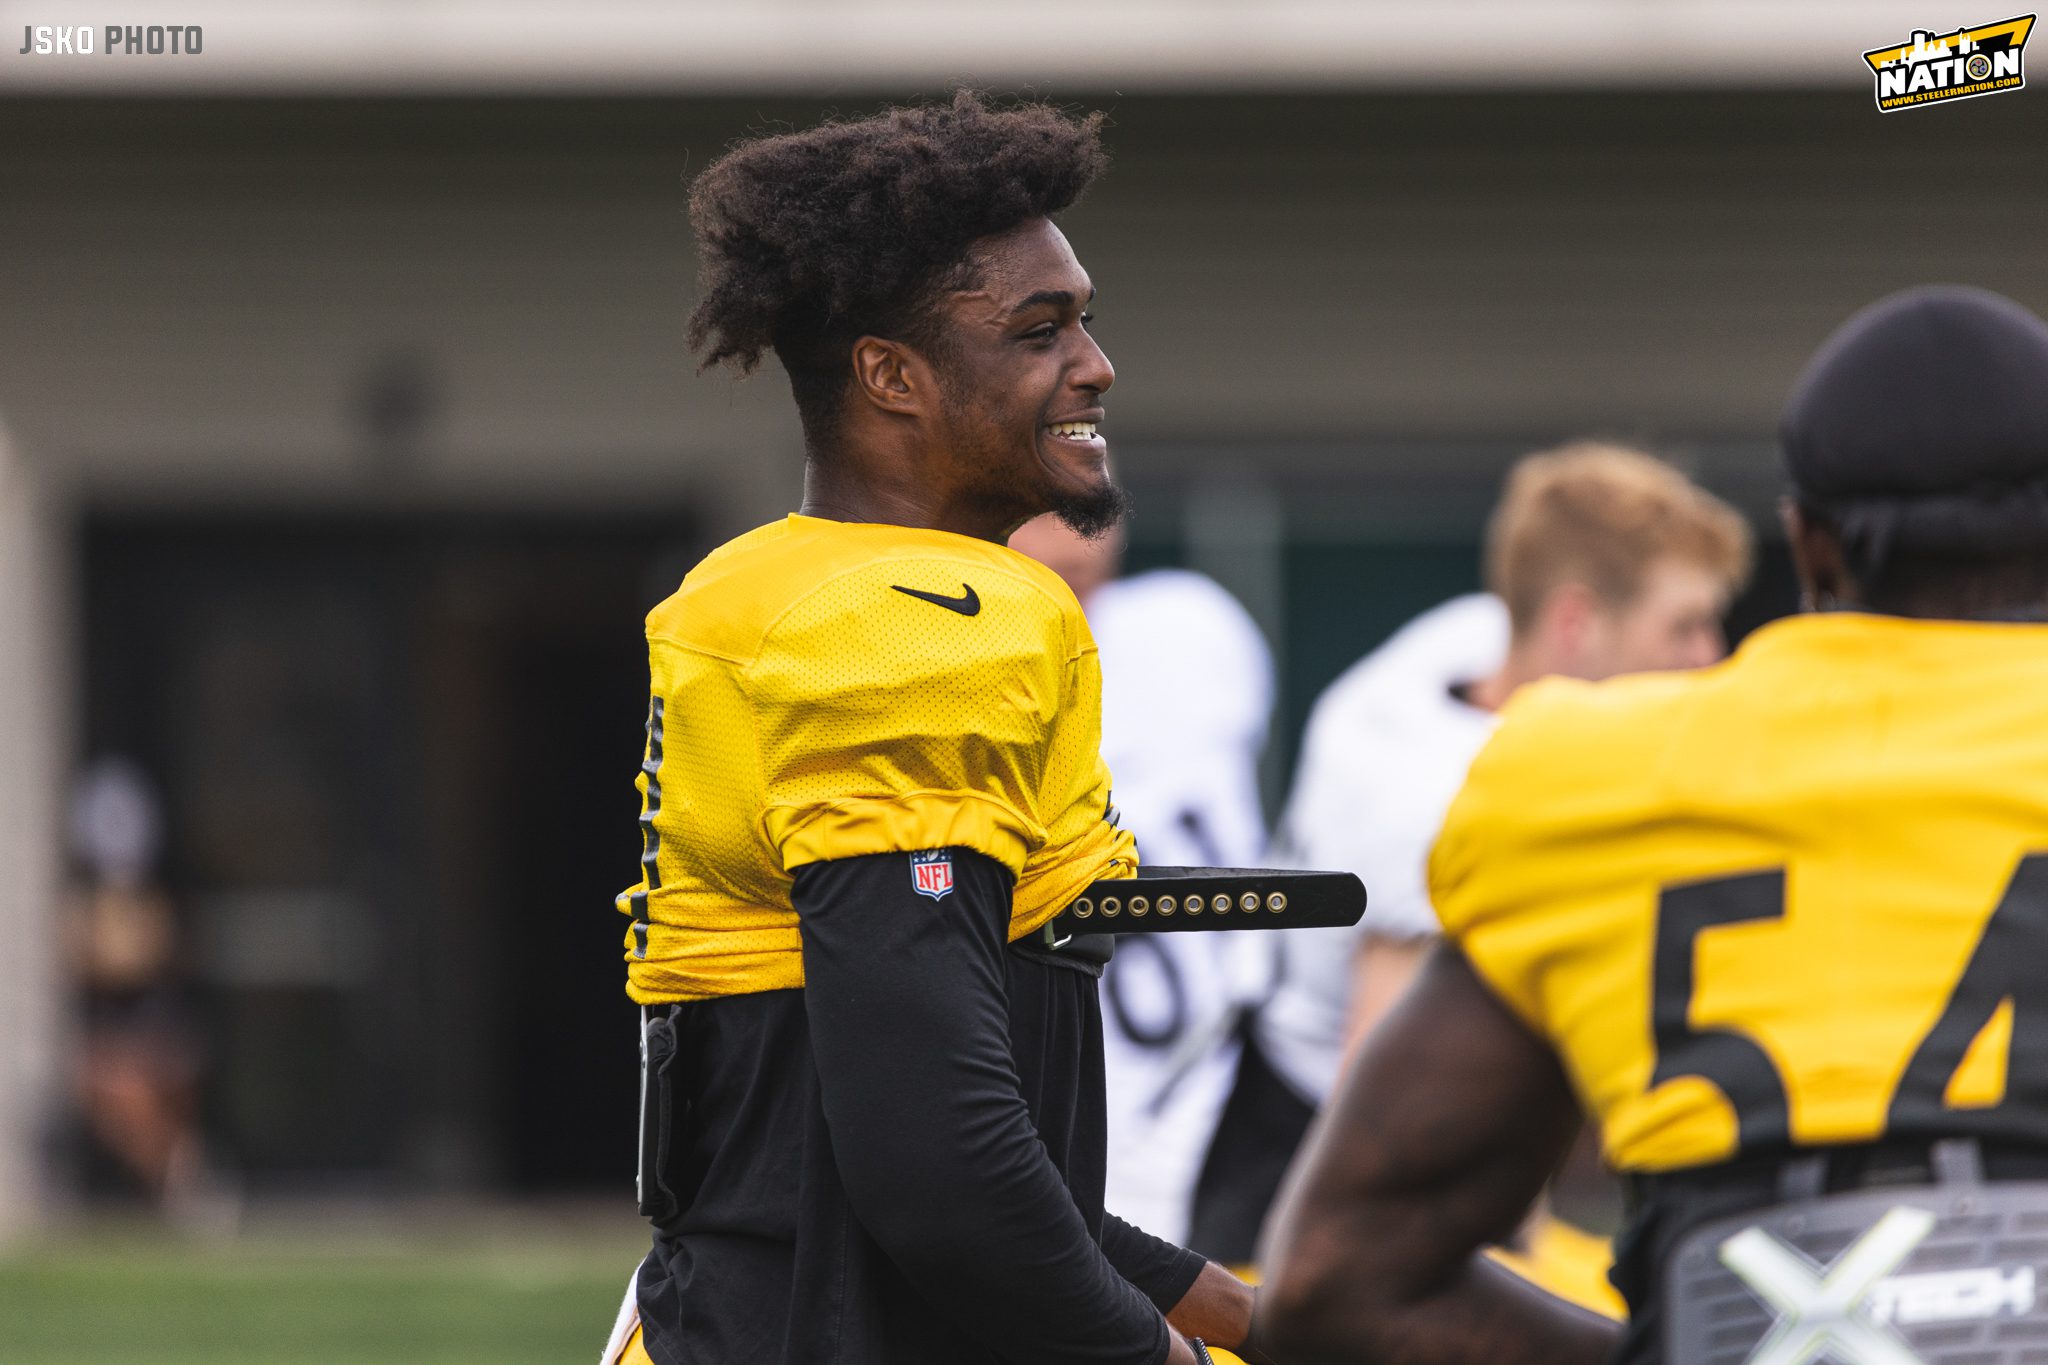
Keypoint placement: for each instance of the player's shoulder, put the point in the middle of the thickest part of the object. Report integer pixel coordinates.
(1459, 641)
(1559, 734)
(1150, 624)
(1398, 707)
(851, 588)
(1571, 758)
(1556, 714)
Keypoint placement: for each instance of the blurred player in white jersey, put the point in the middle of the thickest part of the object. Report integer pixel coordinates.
(1386, 749)
(1182, 743)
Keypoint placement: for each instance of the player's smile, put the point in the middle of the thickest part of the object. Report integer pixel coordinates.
(1076, 439)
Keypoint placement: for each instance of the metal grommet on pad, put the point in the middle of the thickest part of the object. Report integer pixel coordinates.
(1083, 908)
(1220, 904)
(1248, 902)
(1140, 906)
(1167, 905)
(1111, 907)
(1195, 905)
(1277, 902)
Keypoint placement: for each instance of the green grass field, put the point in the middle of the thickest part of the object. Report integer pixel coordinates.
(503, 1290)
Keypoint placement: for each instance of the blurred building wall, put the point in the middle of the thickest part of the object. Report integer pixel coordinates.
(209, 301)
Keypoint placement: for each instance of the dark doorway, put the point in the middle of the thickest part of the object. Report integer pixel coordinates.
(396, 756)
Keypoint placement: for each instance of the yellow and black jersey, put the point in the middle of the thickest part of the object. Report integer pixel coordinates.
(1800, 898)
(826, 690)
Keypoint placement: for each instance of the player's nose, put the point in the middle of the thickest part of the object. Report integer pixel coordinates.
(1093, 370)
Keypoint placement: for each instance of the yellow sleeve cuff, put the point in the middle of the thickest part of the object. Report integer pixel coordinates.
(901, 824)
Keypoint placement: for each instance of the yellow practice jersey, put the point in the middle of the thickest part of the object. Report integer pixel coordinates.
(827, 689)
(1799, 898)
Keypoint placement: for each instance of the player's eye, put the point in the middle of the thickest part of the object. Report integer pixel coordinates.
(1045, 332)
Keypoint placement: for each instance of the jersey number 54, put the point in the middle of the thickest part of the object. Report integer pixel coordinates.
(2009, 964)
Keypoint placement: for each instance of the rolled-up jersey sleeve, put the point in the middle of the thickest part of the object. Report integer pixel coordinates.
(1528, 876)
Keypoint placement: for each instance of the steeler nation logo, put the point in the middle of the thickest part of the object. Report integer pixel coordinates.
(1935, 68)
(931, 874)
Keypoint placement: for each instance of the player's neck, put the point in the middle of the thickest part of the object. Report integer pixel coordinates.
(838, 489)
(1525, 663)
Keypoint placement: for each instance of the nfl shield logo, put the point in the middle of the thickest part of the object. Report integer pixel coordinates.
(931, 874)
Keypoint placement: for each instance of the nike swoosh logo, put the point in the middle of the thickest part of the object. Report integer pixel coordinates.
(967, 604)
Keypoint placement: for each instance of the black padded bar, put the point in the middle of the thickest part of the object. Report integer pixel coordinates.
(1166, 899)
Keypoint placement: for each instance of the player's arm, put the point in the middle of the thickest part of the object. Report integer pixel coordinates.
(1442, 1133)
(1199, 1297)
(1381, 971)
(1161, 1271)
(907, 1002)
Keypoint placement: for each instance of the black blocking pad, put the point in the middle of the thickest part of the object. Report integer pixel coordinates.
(1169, 899)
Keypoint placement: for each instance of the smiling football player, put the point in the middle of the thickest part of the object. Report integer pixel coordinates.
(874, 1119)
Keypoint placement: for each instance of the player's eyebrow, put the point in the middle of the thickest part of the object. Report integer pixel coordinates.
(1058, 298)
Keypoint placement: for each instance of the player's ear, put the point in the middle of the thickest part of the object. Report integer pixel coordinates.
(1569, 615)
(1824, 578)
(892, 376)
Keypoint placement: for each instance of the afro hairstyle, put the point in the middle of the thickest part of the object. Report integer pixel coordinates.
(812, 239)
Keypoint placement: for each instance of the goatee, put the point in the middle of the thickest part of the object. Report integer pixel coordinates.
(1090, 515)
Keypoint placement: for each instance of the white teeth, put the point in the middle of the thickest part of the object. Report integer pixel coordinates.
(1080, 430)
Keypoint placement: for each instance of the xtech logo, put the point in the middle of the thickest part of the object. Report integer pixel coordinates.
(1934, 68)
